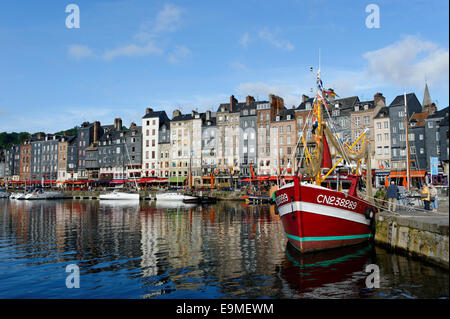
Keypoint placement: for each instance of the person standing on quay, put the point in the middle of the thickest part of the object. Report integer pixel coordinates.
(392, 194)
(426, 196)
(434, 198)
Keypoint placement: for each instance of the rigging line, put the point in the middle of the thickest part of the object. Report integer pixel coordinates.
(298, 138)
(383, 208)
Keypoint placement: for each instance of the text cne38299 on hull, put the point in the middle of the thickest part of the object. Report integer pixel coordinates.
(317, 218)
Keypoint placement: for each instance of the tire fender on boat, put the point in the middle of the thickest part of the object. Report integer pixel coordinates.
(369, 213)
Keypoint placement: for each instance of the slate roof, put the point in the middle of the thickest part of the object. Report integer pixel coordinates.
(439, 114)
(159, 114)
(399, 100)
(383, 113)
(283, 113)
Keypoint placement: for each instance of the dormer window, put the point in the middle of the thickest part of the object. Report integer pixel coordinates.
(288, 117)
(278, 118)
(366, 107)
(308, 105)
(356, 108)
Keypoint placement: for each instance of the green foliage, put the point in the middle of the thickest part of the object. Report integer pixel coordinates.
(70, 132)
(9, 139)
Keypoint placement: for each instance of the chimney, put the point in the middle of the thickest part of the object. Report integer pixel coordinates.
(148, 110)
(118, 124)
(233, 102)
(249, 99)
(176, 113)
(132, 125)
(304, 97)
(379, 98)
(96, 131)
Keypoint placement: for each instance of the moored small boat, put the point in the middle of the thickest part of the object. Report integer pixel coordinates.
(115, 195)
(175, 196)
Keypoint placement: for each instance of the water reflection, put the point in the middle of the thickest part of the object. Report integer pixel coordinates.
(166, 250)
(335, 273)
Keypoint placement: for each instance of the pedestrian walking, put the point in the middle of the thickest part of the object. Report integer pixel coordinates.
(392, 194)
(434, 198)
(425, 194)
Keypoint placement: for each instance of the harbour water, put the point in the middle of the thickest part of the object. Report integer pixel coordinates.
(153, 250)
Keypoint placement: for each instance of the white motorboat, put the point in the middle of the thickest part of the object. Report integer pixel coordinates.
(4, 195)
(115, 195)
(174, 196)
(20, 196)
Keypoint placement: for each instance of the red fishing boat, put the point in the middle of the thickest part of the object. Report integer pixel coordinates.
(316, 217)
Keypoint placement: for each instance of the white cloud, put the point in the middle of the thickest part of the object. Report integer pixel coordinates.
(132, 50)
(179, 53)
(168, 19)
(244, 39)
(273, 38)
(408, 62)
(79, 51)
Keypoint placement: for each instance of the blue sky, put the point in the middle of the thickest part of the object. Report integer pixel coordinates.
(129, 55)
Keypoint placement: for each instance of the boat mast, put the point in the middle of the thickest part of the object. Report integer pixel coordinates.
(408, 165)
(129, 160)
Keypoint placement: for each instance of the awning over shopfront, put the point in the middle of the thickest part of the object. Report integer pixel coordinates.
(413, 173)
(382, 172)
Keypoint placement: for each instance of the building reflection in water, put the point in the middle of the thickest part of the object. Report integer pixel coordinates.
(186, 251)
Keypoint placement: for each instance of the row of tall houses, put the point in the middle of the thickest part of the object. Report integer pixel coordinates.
(239, 139)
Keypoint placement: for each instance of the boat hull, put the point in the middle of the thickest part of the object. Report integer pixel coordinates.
(119, 196)
(317, 218)
(176, 197)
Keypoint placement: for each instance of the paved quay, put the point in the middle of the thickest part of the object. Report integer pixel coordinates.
(419, 233)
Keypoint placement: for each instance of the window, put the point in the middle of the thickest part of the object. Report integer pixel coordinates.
(430, 124)
(379, 150)
(386, 124)
(300, 120)
(386, 150)
(401, 125)
(289, 128)
(366, 120)
(379, 125)
(437, 136)
(386, 136)
(281, 140)
(379, 137)
(421, 137)
(421, 150)
(357, 120)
